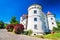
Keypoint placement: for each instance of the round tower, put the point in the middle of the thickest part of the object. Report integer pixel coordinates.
(51, 21)
(35, 19)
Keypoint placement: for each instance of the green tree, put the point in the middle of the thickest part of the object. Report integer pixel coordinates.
(58, 24)
(14, 21)
(1, 24)
(5, 25)
(58, 28)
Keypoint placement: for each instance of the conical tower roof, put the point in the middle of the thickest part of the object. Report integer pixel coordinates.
(48, 13)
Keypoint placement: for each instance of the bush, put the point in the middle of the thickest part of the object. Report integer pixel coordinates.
(10, 27)
(2, 25)
(30, 32)
(19, 28)
(25, 33)
(47, 33)
(56, 29)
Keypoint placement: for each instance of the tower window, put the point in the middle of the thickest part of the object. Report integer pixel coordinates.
(51, 18)
(52, 23)
(35, 11)
(35, 26)
(35, 19)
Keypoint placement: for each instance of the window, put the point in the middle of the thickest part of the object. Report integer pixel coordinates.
(35, 26)
(52, 23)
(34, 34)
(35, 19)
(51, 18)
(35, 11)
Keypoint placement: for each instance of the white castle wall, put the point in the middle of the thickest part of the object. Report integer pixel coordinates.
(23, 22)
(39, 22)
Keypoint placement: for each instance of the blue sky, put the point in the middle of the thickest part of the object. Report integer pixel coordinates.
(9, 8)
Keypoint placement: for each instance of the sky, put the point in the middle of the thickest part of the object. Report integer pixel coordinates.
(9, 8)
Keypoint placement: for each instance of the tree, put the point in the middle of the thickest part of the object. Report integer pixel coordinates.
(1, 24)
(58, 28)
(58, 24)
(14, 21)
(5, 25)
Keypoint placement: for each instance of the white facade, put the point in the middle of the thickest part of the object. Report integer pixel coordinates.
(23, 20)
(51, 21)
(37, 21)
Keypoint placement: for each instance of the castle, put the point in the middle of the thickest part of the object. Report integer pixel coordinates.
(37, 21)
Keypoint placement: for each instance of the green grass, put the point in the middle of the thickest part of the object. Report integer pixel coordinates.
(38, 36)
(55, 36)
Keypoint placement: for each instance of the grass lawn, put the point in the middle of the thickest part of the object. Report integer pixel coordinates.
(55, 36)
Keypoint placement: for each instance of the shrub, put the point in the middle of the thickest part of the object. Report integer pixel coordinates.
(19, 28)
(10, 27)
(47, 32)
(1, 25)
(56, 29)
(25, 33)
(30, 32)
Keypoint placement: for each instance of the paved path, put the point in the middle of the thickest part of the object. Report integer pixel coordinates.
(4, 35)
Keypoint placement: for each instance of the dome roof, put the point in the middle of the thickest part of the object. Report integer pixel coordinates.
(35, 5)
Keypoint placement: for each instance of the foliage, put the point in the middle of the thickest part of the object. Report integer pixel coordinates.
(30, 32)
(10, 27)
(19, 28)
(14, 21)
(58, 24)
(25, 33)
(5, 25)
(1, 25)
(58, 28)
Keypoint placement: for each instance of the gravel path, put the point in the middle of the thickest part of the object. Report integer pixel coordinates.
(4, 35)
